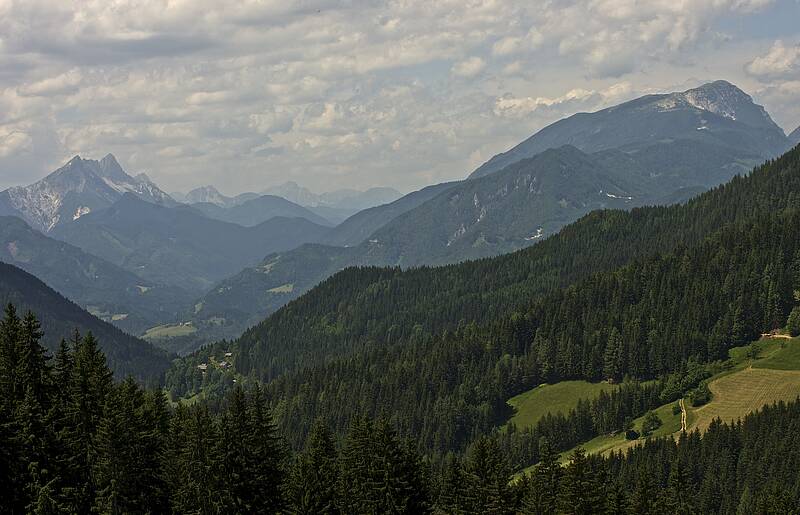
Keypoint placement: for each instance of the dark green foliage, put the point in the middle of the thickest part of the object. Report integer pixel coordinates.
(314, 475)
(87, 445)
(59, 317)
(700, 395)
(379, 473)
(793, 323)
(650, 423)
(580, 491)
(487, 475)
(445, 348)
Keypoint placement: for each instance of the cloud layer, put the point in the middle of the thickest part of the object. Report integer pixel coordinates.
(332, 94)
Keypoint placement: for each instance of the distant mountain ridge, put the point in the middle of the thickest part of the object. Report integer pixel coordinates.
(210, 195)
(179, 246)
(533, 196)
(342, 199)
(106, 290)
(255, 211)
(717, 113)
(76, 189)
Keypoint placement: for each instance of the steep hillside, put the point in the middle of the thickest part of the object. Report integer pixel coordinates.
(360, 226)
(794, 137)
(715, 114)
(179, 246)
(246, 298)
(102, 288)
(500, 213)
(695, 279)
(59, 317)
(659, 149)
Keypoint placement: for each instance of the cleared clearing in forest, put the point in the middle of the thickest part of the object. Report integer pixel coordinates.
(740, 393)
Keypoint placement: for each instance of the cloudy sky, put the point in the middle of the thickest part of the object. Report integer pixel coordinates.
(354, 93)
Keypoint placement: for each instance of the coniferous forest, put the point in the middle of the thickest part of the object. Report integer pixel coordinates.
(74, 441)
(644, 295)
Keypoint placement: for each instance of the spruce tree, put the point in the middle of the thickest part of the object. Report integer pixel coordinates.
(542, 495)
(314, 475)
(89, 386)
(580, 493)
(487, 478)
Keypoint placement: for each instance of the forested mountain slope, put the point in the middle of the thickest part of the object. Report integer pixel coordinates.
(60, 318)
(658, 149)
(113, 294)
(696, 279)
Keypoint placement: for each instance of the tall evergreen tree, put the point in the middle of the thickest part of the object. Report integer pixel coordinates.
(580, 492)
(487, 479)
(314, 475)
(542, 495)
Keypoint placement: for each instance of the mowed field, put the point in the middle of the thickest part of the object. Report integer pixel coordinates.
(773, 378)
(169, 331)
(552, 398)
(747, 386)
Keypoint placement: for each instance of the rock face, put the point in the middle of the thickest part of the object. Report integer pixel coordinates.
(717, 114)
(75, 190)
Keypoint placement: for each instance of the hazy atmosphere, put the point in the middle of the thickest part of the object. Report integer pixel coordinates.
(354, 94)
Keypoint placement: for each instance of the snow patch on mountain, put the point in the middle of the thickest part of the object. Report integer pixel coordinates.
(89, 183)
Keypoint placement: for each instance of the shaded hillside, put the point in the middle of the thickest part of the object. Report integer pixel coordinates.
(113, 294)
(60, 317)
(179, 246)
(255, 211)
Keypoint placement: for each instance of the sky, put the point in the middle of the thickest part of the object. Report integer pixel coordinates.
(333, 94)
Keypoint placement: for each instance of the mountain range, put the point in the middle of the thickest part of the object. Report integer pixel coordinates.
(179, 246)
(76, 189)
(654, 291)
(255, 211)
(339, 199)
(658, 149)
(103, 288)
(224, 263)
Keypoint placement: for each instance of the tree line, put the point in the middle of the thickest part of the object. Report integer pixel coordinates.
(74, 441)
(640, 294)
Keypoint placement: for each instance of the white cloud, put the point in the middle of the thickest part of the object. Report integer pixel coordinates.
(469, 67)
(62, 84)
(13, 142)
(330, 93)
(782, 61)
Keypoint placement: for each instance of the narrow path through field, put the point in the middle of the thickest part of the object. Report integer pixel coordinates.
(683, 416)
